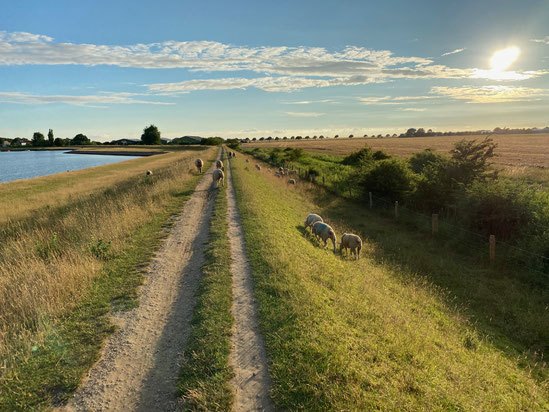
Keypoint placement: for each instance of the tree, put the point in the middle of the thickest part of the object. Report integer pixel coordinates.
(151, 135)
(38, 139)
(58, 142)
(80, 139)
(50, 137)
(411, 132)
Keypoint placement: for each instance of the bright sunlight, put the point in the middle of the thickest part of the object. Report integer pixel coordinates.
(502, 59)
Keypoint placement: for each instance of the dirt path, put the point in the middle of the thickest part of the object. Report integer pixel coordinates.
(248, 358)
(139, 365)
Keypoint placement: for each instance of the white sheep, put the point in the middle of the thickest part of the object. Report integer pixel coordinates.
(350, 241)
(218, 175)
(293, 172)
(258, 167)
(199, 164)
(324, 231)
(277, 174)
(219, 164)
(149, 173)
(311, 219)
(291, 181)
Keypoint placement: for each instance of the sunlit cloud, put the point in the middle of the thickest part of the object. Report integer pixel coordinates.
(312, 101)
(502, 59)
(545, 40)
(413, 109)
(305, 114)
(393, 100)
(89, 100)
(452, 52)
(490, 94)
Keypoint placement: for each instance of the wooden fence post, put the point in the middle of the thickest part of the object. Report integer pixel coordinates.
(492, 249)
(435, 223)
(323, 181)
(396, 209)
(371, 200)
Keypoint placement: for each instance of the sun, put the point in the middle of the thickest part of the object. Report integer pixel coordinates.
(502, 59)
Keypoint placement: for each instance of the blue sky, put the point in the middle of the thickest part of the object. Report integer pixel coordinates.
(256, 68)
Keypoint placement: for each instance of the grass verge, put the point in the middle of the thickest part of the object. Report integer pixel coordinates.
(78, 263)
(376, 334)
(205, 373)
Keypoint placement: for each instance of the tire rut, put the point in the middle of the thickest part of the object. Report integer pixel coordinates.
(139, 365)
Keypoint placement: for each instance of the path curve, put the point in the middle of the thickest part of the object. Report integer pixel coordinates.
(252, 382)
(139, 365)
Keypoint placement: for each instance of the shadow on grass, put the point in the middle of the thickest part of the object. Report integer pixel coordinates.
(507, 306)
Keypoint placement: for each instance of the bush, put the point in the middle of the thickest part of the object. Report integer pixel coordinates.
(418, 161)
(360, 156)
(390, 179)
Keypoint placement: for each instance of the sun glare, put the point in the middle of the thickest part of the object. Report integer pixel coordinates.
(502, 59)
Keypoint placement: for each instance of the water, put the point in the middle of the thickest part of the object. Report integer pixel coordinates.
(24, 165)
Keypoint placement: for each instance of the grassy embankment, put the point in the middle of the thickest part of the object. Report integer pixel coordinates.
(64, 267)
(407, 327)
(205, 373)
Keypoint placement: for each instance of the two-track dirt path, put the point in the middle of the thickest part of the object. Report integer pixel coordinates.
(139, 365)
(251, 383)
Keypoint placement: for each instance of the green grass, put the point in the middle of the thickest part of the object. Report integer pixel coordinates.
(62, 347)
(205, 373)
(403, 328)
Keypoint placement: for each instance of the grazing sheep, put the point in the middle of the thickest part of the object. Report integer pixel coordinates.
(281, 170)
(291, 181)
(218, 175)
(199, 165)
(323, 231)
(149, 172)
(350, 241)
(277, 174)
(258, 167)
(219, 164)
(293, 172)
(311, 219)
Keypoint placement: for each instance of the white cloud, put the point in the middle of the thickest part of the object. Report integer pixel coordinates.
(23, 37)
(89, 100)
(452, 52)
(545, 40)
(413, 109)
(390, 100)
(490, 94)
(312, 101)
(305, 114)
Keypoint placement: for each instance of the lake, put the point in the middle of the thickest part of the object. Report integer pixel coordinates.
(27, 164)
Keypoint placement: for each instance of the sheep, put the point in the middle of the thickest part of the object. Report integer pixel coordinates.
(199, 164)
(149, 172)
(234, 154)
(291, 181)
(311, 219)
(218, 175)
(323, 231)
(350, 241)
(281, 170)
(258, 167)
(247, 160)
(219, 164)
(277, 174)
(293, 172)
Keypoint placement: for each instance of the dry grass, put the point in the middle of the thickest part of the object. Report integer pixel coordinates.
(47, 262)
(513, 150)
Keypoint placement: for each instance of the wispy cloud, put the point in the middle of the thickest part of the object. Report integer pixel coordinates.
(490, 94)
(413, 109)
(392, 100)
(88, 100)
(305, 114)
(545, 40)
(452, 52)
(312, 101)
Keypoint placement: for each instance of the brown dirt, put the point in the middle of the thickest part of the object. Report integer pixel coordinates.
(252, 382)
(139, 366)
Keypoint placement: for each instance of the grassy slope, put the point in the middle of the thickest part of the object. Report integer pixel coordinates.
(69, 343)
(205, 373)
(369, 334)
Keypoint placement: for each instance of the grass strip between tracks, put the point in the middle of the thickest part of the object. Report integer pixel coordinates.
(205, 372)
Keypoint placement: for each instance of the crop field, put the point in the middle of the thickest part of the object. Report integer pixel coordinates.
(410, 326)
(513, 150)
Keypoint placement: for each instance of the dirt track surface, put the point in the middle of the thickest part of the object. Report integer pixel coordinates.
(139, 365)
(251, 383)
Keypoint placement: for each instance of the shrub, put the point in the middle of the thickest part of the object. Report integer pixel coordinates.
(380, 155)
(418, 161)
(390, 179)
(358, 157)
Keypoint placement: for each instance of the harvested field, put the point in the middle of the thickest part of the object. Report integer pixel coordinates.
(513, 150)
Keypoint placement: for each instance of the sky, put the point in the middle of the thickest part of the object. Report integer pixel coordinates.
(255, 68)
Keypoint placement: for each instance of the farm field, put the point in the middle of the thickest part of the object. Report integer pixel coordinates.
(513, 150)
(410, 326)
